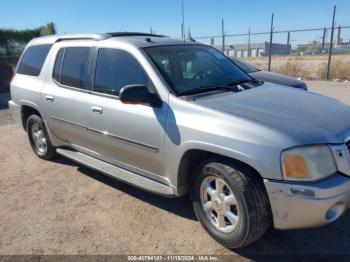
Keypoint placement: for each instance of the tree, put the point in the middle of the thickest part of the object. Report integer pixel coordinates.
(12, 40)
(49, 29)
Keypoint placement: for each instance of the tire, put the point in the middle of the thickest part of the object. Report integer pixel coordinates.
(36, 125)
(252, 209)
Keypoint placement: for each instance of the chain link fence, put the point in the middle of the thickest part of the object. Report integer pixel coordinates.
(307, 53)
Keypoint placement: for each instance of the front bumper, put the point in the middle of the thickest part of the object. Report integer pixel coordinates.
(296, 205)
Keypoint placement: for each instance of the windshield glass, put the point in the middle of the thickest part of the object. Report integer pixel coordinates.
(244, 66)
(193, 66)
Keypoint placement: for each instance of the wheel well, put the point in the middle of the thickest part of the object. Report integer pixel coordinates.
(193, 158)
(27, 111)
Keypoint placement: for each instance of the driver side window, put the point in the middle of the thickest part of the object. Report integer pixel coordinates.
(116, 69)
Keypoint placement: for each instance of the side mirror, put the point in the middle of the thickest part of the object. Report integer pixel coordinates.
(138, 94)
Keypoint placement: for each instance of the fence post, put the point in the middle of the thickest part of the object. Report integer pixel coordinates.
(331, 45)
(270, 51)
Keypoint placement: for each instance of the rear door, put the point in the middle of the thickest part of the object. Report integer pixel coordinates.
(66, 96)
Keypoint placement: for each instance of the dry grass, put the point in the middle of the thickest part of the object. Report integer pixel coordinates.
(339, 70)
(310, 67)
(293, 69)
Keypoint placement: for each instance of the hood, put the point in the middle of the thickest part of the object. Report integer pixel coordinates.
(278, 79)
(309, 117)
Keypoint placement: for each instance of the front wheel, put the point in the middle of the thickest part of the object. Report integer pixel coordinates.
(231, 203)
(39, 139)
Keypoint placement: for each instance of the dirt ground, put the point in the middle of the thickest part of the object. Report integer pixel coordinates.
(59, 207)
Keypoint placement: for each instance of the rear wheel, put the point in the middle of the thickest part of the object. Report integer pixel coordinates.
(39, 139)
(231, 203)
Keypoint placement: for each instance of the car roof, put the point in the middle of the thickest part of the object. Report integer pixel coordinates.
(136, 39)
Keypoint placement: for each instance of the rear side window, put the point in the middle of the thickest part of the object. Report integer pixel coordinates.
(74, 67)
(58, 65)
(116, 69)
(33, 60)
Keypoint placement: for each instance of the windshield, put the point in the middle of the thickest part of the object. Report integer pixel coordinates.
(187, 67)
(244, 66)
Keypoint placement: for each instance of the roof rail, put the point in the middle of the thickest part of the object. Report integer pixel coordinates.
(94, 36)
(116, 34)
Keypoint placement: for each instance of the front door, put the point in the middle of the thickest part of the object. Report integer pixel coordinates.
(131, 136)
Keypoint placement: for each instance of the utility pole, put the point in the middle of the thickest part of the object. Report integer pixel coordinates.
(331, 45)
(338, 39)
(223, 35)
(270, 51)
(288, 38)
(324, 37)
(212, 41)
(249, 54)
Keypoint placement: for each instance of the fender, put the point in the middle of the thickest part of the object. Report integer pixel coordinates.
(54, 140)
(179, 178)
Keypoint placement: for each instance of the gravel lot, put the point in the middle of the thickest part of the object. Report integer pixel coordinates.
(59, 207)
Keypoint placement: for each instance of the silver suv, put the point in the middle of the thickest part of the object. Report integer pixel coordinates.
(173, 117)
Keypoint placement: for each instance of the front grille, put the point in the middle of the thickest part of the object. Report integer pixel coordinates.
(348, 145)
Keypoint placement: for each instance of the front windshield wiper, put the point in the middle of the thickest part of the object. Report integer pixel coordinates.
(203, 89)
(242, 81)
(228, 86)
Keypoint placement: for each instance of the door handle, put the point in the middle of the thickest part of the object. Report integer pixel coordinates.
(50, 98)
(97, 109)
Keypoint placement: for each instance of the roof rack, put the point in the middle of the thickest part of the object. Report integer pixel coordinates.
(116, 34)
(98, 37)
(94, 36)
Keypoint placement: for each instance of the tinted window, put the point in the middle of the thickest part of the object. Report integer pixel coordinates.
(75, 64)
(33, 60)
(58, 66)
(116, 69)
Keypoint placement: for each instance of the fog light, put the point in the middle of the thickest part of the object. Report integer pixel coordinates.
(335, 212)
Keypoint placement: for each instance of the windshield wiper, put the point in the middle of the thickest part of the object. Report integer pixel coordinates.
(242, 81)
(203, 89)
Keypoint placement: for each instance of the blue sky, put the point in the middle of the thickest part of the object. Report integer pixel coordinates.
(164, 16)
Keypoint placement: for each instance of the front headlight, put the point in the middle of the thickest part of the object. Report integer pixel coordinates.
(307, 163)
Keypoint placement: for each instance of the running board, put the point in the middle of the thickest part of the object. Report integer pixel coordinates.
(116, 172)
